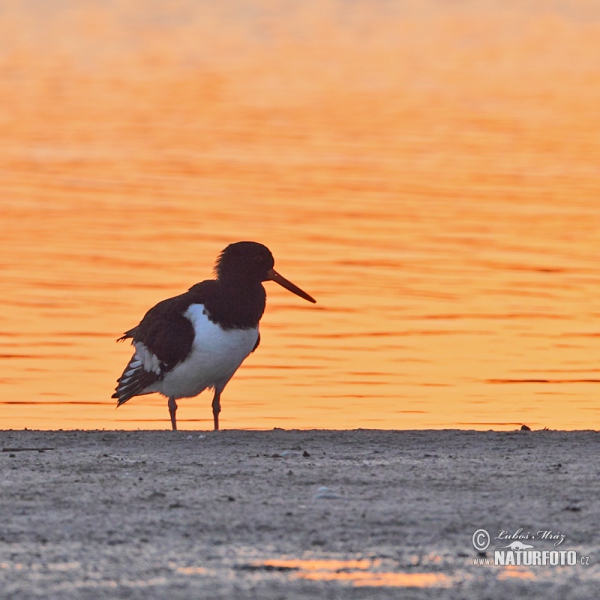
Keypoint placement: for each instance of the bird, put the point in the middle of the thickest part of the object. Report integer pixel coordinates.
(198, 340)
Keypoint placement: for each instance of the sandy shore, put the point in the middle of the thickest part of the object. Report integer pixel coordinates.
(293, 514)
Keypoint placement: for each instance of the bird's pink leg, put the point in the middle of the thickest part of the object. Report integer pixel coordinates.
(172, 411)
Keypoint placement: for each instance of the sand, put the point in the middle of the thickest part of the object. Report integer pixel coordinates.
(293, 514)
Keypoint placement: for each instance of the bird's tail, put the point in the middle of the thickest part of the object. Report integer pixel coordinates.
(134, 380)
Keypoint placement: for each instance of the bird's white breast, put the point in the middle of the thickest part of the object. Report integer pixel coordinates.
(215, 356)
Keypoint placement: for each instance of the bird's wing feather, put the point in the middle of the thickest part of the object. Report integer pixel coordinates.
(163, 339)
(134, 380)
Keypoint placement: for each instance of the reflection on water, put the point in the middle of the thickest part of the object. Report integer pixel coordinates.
(358, 572)
(428, 171)
(514, 572)
(373, 573)
(434, 571)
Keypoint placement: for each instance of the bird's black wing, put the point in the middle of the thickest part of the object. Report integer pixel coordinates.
(163, 339)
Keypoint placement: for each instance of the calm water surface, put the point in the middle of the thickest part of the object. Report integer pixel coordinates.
(428, 171)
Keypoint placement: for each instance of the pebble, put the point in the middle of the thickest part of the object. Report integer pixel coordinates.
(326, 493)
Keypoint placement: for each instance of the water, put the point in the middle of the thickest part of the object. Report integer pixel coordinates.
(427, 171)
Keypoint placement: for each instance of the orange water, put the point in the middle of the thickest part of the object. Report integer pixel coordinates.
(429, 171)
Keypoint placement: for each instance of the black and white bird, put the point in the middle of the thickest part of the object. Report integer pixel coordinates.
(198, 340)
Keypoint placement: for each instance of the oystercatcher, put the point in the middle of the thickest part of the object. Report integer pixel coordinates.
(198, 340)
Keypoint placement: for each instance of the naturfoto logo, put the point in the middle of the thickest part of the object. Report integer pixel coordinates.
(520, 552)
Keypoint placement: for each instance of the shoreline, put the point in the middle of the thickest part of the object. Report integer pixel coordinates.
(292, 513)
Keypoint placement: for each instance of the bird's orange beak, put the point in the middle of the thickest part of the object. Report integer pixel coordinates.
(273, 275)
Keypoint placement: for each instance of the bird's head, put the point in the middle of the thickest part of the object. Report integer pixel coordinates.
(252, 262)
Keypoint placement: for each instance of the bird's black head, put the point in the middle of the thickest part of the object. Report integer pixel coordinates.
(244, 261)
(248, 263)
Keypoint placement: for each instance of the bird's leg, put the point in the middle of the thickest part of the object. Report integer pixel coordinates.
(172, 411)
(216, 406)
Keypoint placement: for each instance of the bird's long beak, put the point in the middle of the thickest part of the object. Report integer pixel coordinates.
(273, 275)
